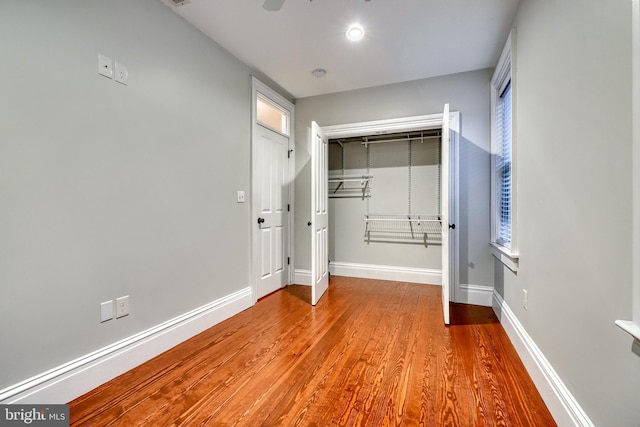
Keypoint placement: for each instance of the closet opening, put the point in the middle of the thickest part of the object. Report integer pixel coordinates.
(385, 204)
(417, 222)
(390, 186)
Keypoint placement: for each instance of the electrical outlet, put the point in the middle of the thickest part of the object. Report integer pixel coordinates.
(525, 299)
(122, 74)
(240, 196)
(106, 311)
(122, 306)
(105, 66)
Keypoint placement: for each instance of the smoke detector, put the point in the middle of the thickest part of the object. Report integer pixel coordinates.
(319, 72)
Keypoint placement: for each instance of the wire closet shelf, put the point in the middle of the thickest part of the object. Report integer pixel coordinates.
(412, 228)
(407, 228)
(349, 186)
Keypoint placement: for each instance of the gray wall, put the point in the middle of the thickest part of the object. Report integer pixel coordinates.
(574, 194)
(465, 92)
(109, 190)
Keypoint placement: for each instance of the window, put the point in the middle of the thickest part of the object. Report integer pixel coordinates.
(271, 115)
(503, 166)
(503, 177)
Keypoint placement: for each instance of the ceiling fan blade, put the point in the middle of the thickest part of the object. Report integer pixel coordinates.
(273, 5)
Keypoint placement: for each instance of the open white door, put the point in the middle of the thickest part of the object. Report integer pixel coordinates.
(445, 207)
(320, 214)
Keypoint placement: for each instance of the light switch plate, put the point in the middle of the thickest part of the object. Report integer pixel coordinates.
(105, 66)
(240, 196)
(106, 311)
(122, 74)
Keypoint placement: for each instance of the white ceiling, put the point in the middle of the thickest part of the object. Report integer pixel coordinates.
(405, 39)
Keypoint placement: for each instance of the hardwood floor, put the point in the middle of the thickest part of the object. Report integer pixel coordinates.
(371, 353)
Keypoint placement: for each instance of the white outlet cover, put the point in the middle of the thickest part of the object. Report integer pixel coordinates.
(240, 196)
(106, 311)
(122, 74)
(122, 306)
(105, 66)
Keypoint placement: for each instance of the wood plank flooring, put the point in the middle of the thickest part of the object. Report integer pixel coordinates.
(371, 353)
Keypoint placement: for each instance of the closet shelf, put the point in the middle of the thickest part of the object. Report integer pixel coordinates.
(349, 186)
(403, 228)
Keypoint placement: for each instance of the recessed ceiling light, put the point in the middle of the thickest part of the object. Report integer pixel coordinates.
(319, 72)
(355, 32)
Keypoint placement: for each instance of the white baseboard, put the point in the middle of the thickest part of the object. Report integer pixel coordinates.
(387, 272)
(563, 406)
(302, 277)
(75, 378)
(474, 294)
(466, 294)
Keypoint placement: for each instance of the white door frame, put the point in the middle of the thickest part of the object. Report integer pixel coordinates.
(405, 124)
(258, 87)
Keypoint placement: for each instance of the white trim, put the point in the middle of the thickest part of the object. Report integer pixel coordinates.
(406, 124)
(387, 272)
(258, 87)
(504, 73)
(302, 277)
(505, 256)
(563, 406)
(71, 380)
(633, 326)
(475, 294)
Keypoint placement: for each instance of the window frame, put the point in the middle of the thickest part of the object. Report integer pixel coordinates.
(504, 75)
(285, 126)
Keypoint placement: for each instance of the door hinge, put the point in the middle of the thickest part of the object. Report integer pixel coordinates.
(288, 208)
(288, 260)
(289, 154)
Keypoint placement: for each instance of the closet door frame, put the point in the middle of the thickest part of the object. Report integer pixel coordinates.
(406, 124)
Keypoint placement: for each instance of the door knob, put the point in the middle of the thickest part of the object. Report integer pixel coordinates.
(453, 226)
(260, 220)
(309, 224)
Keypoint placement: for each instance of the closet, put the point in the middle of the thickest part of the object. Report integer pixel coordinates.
(385, 200)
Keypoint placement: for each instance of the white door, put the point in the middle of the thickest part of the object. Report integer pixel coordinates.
(445, 217)
(319, 214)
(270, 212)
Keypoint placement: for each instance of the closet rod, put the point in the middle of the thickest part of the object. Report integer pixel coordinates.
(400, 139)
(349, 178)
(405, 219)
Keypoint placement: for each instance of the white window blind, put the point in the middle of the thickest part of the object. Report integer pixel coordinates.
(503, 166)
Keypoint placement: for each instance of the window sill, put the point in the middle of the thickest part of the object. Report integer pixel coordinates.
(505, 256)
(630, 327)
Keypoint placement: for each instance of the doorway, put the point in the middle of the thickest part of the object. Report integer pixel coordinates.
(447, 214)
(271, 193)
